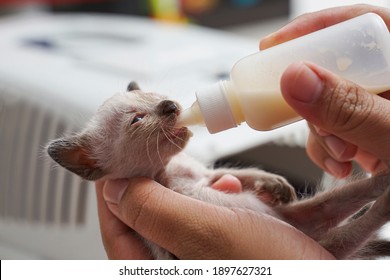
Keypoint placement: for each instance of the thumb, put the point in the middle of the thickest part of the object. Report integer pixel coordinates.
(186, 227)
(339, 107)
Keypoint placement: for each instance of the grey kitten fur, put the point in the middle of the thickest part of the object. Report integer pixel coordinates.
(134, 134)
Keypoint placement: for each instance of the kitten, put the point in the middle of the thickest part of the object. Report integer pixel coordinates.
(135, 134)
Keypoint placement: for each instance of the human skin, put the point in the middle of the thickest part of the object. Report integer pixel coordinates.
(346, 122)
(192, 229)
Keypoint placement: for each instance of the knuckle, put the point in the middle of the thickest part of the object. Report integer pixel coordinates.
(137, 211)
(347, 103)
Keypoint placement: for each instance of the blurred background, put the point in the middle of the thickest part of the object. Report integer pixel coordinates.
(60, 59)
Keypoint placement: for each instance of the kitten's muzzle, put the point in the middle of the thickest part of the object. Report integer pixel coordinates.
(168, 107)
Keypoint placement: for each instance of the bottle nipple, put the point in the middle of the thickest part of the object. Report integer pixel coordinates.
(190, 116)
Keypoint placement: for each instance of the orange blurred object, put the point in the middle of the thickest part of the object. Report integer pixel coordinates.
(198, 6)
(167, 10)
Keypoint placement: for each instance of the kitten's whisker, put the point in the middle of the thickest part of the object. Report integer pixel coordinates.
(158, 146)
(170, 139)
(170, 136)
(147, 145)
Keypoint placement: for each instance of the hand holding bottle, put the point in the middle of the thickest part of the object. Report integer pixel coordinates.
(347, 123)
(357, 49)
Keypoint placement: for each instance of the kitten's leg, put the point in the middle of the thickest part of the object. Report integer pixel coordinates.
(373, 249)
(270, 188)
(157, 252)
(326, 210)
(345, 240)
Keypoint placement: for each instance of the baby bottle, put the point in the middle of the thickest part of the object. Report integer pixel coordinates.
(357, 49)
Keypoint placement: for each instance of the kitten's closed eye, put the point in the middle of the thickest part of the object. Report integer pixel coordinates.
(137, 118)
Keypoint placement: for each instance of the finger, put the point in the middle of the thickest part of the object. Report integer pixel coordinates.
(370, 163)
(228, 183)
(319, 151)
(193, 229)
(320, 156)
(120, 241)
(338, 107)
(339, 149)
(334, 146)
(311, 22)
(186, 227)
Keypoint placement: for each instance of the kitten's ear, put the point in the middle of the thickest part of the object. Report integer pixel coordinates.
(73, 153)
(132, 86)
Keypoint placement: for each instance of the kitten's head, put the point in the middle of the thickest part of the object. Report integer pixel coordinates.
(132, 134)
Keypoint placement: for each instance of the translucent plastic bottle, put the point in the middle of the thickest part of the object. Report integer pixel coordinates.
(357, 49)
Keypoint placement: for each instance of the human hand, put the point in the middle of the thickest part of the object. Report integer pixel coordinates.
(346, 122)
(192, 229)
(119, 240)
(310, 22)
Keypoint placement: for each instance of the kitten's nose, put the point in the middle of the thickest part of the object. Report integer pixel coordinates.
(168, 107)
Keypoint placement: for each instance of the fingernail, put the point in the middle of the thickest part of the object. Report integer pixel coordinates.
(306, 86)
(320, 131)
(335, 145)
(334, 167)
(267, 41)
(114, 190)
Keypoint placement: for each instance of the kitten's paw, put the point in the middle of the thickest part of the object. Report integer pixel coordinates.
(270, 188)
(274, 190)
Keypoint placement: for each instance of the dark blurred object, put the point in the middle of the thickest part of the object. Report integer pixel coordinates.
(49, 2)
(212, 13)
(19, 6)
(137, 7)
(291, 162)
(236, 12)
